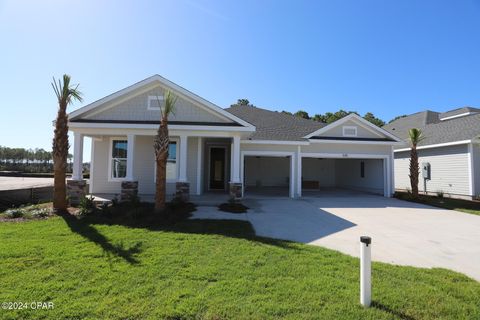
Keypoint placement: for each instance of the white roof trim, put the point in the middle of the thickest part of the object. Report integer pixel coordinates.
(275, 142)
(438, 145)
(167, 83)
(458, 115)
(362, 122)
(155, 126)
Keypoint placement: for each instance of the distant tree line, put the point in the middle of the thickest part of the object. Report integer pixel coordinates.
(330, 117)
(28, 160)
(327, 117)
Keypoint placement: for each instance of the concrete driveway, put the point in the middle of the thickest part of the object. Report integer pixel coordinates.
(402, 233)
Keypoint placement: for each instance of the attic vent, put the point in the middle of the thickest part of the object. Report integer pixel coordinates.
(349, 131)
(154, 102)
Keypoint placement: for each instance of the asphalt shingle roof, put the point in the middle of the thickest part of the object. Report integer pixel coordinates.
(436, 131)
(274, 125)
(458, 112)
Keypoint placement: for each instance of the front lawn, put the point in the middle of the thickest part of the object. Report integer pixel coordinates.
(206, 269)
(467, 206)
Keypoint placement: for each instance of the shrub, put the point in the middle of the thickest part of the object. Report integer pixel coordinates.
(39, 212)
(87, 206)
(440, 194)
(15, 213)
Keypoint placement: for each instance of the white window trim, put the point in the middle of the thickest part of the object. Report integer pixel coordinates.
(154, 99)
(177, 169)
(344, 128)
(109, 174)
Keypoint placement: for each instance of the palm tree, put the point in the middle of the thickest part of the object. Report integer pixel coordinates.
(161, 143)
(65, 93)
(415, 136)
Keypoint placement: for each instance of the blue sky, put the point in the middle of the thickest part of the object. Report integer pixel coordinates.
(386, 57)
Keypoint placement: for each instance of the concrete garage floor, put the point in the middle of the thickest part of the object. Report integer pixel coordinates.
(402, 233)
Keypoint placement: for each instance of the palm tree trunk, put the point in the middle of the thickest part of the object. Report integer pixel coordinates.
(414, 171)
(161, 155)
(60, 152)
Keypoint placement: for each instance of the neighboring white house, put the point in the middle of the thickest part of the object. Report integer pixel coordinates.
(450, 148)
(243, 149)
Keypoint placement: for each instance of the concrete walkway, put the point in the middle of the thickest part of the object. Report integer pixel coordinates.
(14, 183)
(402, 233)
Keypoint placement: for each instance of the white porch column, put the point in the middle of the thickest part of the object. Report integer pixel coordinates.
(235, 161)
(130, 157)
(77, 156)
(183, 158)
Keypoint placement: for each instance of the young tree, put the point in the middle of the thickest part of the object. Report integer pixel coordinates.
(371, 118)
(415, 136)
(243, 102)
(302, 114)
(161, 144)
(65, 93)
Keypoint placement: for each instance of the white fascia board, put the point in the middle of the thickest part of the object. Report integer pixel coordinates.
(275, 142)
(103, 132)
(457, 116)
(155, 126)
(438, 145)
(157, 78)
(392, 143)
(343, 155)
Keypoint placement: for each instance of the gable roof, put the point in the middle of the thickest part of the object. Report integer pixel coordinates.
(274, 125)
(458, 113)
(438, 132)
(359, 120)
(157, 79)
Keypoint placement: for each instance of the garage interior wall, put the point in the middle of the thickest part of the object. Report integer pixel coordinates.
(267, 171)
(345, 173)
(348, 176)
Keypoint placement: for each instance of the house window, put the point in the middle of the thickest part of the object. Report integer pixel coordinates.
(349, 131)
(118, 161)
(154, 102)
(171, 163)
(362, 169)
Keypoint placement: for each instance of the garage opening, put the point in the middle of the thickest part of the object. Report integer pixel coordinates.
(325, 176)
(267, 176)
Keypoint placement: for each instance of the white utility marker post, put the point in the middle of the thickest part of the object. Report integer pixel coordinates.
(365, 271)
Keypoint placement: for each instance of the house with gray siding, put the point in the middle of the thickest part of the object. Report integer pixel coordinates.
(450, 148)
(240, 150)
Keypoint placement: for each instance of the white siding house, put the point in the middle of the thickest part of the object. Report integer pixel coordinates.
(242, 150)
(450, 146)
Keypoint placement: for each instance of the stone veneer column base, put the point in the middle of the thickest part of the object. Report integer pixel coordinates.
(129, 190)
(76, 191)
(236, 190)
(182, 190)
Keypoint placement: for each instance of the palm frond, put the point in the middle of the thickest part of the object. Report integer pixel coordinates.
(64, 91)
(170, 100)
(415, 136)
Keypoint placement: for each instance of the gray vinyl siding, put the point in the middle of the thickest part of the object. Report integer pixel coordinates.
(449, 170)
(476, 169)
(135, 108)
(361, 132)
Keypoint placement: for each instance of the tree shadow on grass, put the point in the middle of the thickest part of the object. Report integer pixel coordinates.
(83, 228)
(401, 315)
(176, 219)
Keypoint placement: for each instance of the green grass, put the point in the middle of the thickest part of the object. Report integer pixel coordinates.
(467, 206)
(206, 269)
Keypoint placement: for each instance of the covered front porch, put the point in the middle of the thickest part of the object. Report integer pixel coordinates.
(199, 164)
